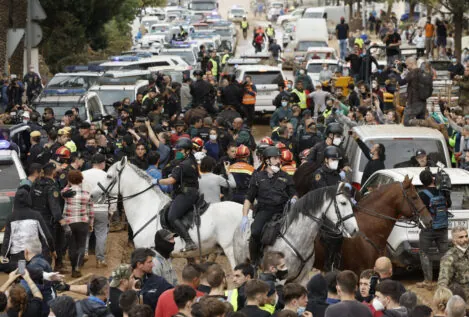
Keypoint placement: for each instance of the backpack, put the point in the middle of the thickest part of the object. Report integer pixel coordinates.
(438, 208)
(425, 85)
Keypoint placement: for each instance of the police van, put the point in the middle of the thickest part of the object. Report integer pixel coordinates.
(76, 80)
(266, 78)
(88, 103)
(187, 51)
(126, 62)
(403, 243)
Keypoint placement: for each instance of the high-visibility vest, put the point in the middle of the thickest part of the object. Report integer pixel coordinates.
(214, 67)
(302, 97)
(244, 24)
(225, 58)
(232, 298)
(249, 99)
(268, 308)
(270, 32)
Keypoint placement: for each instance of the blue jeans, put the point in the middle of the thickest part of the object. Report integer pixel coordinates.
(343, 48)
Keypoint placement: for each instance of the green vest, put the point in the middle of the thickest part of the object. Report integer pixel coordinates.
(232, 298)
(302, 97)
(244, 24)
(225, 58)
(214, 67)
(269, 32)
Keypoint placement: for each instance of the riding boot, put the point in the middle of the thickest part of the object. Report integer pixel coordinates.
(181, 230)
(254, 251)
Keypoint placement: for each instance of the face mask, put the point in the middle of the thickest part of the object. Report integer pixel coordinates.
(281, 274)
(289, 86)
(275, 168)
(213, 137)
(302, 72)
(377, 305)
(333, 165)
(284, 103)
(300, 310)
(324, 68)
(337, 141)
(179, 156)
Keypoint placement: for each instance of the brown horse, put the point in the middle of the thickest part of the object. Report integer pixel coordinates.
(376, 215)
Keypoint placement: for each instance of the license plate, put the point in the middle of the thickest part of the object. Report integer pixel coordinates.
(458, 223)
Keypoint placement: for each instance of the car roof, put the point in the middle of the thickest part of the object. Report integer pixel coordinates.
(80, 74)
(389, 131)
(259, 68)
(458, 176)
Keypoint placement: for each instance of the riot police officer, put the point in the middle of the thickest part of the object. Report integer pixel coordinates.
(272, 188)
(185, 178)
(202, 93)
(45, 197)
(328, 175)
(333, 136)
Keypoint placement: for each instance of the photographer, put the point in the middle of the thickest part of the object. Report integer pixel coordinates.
(437, 199)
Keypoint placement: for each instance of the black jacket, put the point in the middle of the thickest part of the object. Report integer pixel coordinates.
(372, 165)
(231, 95)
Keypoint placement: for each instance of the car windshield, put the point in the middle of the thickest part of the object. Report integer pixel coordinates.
(225, 32)
(203, 6)
(399, 152)
(440, 65)
(459, 196)
(159, 29)
(60, 108)
(70, 81)
(312, 15)
(147, 24)
(316, 68)
(277, 5)
(265, 78)
(187, 56)
(237, 11)
(304, 45)
(108, 97)
(8, 174)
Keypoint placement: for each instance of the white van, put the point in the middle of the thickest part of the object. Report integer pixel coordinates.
(331, 14)
(266, 79)
(400, 143)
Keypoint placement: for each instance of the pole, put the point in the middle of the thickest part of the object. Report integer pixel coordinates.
(29, 28)
(364, 15)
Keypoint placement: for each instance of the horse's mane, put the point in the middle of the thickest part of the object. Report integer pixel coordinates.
(311, 202)
(147, 178)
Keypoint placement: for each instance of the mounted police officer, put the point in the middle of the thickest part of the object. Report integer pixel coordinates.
(45, 197)
(333, 136)
(328, 175)
(272, 188)
(185, 178)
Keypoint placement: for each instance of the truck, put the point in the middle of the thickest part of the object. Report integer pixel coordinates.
(207, 7)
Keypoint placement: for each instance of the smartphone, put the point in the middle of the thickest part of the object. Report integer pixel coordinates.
(21, 266)
(373, 282)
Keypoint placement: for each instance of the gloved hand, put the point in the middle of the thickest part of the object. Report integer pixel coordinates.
(155, 181)
(354, 202)
(67, 230)
(244, 223)
(69, 193)
(342, 175)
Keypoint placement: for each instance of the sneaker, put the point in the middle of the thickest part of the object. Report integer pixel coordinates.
(101, 264)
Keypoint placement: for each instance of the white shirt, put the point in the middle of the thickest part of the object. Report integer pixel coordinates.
(419, 41)
(91, 178)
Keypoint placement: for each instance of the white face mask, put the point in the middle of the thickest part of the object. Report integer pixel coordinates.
(374, 85)
(302, 72)
(324, 68)
(333, 164)
(337, 141)
(213, 137)
(275, 169)
(284, 103)
(377, 305)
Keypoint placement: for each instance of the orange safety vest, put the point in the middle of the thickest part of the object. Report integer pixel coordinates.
(289, 169)
(249, 99)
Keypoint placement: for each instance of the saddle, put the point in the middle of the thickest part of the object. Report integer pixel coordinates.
(190, 218)
(272, 229)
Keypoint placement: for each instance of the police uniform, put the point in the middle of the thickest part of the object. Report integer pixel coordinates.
(242, 173)
(272, 192)
(36, 155)
(201, 92)
(454, 269)
(324, 177)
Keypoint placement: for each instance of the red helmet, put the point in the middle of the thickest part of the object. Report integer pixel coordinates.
(304, 154)
(197, 143)
(281, 147)
(267, 140)
(242, 151)
(63, 152)
(286, 156)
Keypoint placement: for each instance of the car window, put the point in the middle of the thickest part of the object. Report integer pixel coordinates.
(400, 152)
(9, 175)
(316, 68)
(60, 108)
(304, 45)
(265, 78)
(376, 181)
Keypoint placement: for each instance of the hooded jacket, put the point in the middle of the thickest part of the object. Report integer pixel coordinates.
(23, 225)
(92, 307)
(317, 295)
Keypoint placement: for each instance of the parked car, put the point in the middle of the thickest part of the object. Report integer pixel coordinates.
(403, 243)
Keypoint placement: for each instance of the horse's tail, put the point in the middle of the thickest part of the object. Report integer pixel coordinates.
(303, 177)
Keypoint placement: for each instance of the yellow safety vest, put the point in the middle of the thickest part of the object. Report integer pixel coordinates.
(225, 58)
(232, 298)
(244, 24)
(269, 32)
(268, 308)
(214, 67)
(302, 97)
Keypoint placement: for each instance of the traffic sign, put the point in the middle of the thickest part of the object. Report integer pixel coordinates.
(14, 37)
(36, 34)
(37, 12)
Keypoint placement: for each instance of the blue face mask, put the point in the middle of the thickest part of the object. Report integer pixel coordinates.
(300, 310)
(284, 103)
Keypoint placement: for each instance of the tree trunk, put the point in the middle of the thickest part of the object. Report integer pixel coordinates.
(388, 13)
(457, 22)
(412, 6)
(350, 10)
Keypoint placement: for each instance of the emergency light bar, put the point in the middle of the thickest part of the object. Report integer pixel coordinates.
(124, 58)
(79, 91)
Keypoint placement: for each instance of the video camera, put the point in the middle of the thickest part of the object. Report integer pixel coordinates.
(442, 179)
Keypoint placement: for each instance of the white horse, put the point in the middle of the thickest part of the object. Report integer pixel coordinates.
(330, 206)
(143, 203)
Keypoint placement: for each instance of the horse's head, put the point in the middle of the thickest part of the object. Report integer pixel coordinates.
(412, 206)
(341, 215)
(108, 187)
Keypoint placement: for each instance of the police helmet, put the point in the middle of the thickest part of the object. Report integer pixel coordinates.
(271, 151)
(261, 147)
(197, 72)
(332, 152)
(184, 144)
(335, 128)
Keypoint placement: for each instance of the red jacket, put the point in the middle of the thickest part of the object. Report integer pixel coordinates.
(166, 306)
